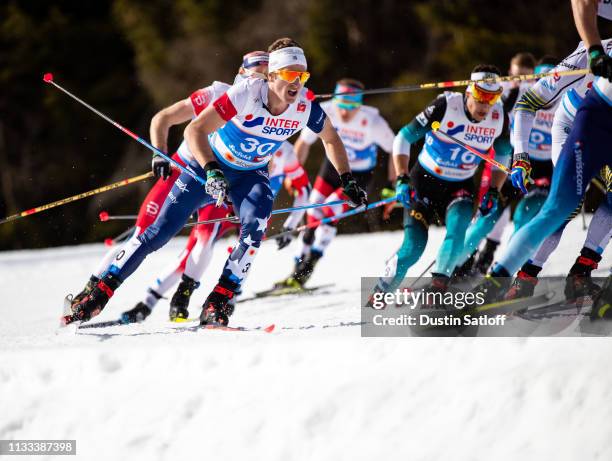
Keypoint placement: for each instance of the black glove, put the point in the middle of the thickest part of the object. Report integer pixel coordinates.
(356, 195)
(160, 167)
(284, 239)
(599, 62)
(216, 185)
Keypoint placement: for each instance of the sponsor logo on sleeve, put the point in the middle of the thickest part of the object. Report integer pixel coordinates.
(422, 119)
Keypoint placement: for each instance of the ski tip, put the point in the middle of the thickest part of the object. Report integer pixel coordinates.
(109, 242)
(48, 77)
(270, 328)
(66, 320)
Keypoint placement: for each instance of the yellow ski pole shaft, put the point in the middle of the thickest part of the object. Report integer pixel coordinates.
(457, 83)
(115, 185)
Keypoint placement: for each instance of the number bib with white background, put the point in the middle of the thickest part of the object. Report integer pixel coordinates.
(251, 135)
(445, 159)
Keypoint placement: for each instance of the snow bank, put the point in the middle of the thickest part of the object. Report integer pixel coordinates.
(151, 392)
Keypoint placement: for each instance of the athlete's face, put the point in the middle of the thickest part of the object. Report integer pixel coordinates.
(478, 110)
(260, 71)
(286, 91)
(515, 69)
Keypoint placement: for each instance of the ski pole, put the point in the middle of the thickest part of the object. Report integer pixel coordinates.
(235, 219)
(422, 274)
(115, 185)
(455, 83)
(120, 238)
(104, 216)
(337, 217)
(48, 78)
(436, 128)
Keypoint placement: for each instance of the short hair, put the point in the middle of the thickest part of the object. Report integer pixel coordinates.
(524, 59)
(487, 68)
(281, 43)
(351, 82)
(547, 59)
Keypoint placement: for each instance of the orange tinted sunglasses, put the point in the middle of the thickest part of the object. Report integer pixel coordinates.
(484, 96)
(291, 75)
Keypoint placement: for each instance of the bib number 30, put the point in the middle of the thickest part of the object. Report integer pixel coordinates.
(253, 145)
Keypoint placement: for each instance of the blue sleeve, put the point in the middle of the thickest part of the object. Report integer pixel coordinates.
(317, 117)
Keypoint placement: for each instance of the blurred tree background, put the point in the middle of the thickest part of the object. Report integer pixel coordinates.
(129, 58)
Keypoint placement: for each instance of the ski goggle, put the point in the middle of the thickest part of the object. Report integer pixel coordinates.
(484, 96)
(293, 75)
(348, 97)
(347, 105)
(543, 69)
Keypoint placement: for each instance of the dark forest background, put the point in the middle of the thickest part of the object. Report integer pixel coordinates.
(129, 58)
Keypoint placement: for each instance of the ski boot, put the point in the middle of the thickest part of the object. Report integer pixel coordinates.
(602, 304)
(433, 295)
(180, 299)
(465, 271)
(91, 283)
(494, 287)
(302, 272)
(137, 314)
(93, 303)
(485, 257)
(578, 283)
(215, 310)
(525, 282)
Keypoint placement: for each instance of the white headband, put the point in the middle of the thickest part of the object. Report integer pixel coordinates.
(286, 57)
(488, 86)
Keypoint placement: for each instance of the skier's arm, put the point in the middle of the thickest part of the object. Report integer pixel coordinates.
(509, 100)
(503, 154)
(384, 138)
(585, 17)
(414, 131)
(196, 133)
(177, 113)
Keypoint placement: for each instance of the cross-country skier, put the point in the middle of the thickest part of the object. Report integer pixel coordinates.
(584, 154)
(195, 258)
(232, 141)
(253, 64)
(362, 130)
(522, 63)
(570, 91)
(440, 186)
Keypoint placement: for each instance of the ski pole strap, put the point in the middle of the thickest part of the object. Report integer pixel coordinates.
(235, 219)
(456, 83)
(48, 78)
(115, 185)
(436, 127)
(337, 217)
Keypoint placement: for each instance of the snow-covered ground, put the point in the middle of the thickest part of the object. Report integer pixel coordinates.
(151, 392)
